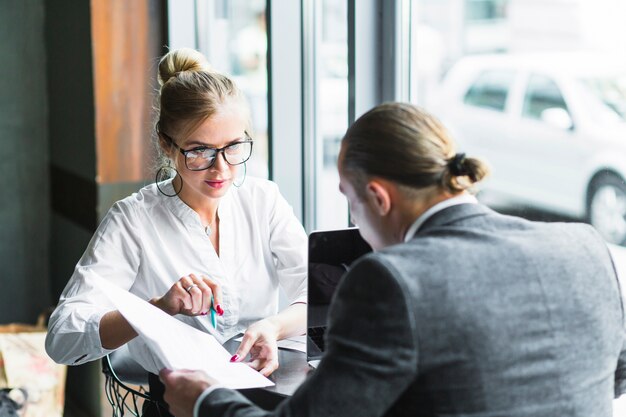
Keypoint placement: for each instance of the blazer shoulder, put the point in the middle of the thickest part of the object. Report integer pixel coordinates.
(382, 272)
(375, 262)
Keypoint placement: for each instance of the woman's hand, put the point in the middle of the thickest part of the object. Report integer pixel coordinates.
(260, 341)
(191, 296)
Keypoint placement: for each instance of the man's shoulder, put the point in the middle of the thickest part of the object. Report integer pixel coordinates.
(438, 254)
(394, 265)
(478, 223)
(417, 249)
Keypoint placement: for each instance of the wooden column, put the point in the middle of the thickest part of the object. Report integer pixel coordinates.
(101, 70)
(127, 39)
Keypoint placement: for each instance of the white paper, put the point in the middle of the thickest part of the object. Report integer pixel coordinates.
(314, 363)
(293, 343)
(176, 345)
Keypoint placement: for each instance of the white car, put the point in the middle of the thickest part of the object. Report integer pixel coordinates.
(552, 127)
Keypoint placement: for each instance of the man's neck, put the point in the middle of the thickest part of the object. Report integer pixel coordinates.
(412, 209)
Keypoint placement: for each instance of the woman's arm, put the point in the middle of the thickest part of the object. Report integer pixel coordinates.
(112, 254)
(115, 330)
(289, 322)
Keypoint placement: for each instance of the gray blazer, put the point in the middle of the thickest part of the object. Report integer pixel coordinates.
(480, 315)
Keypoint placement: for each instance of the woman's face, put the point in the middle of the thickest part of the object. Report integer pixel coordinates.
(222, 129)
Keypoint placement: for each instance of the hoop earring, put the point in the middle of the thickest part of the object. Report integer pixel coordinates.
(165, 173)
(245, 171)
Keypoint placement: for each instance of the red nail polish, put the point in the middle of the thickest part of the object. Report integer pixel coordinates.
(219, 310)
(234, 358)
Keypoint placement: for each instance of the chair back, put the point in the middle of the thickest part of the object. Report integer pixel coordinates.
(120, 371)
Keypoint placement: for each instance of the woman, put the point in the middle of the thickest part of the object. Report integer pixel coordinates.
(208, 238)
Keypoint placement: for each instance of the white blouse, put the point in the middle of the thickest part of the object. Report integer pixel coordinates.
(148, 241)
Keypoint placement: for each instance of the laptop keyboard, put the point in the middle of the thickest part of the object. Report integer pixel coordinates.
(317, 335)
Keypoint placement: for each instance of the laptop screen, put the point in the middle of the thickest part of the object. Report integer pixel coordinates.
(331, 253)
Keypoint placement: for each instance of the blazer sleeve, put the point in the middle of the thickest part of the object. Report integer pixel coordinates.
(371, 355)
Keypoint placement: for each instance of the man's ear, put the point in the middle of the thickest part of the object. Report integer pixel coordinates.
(380, 197)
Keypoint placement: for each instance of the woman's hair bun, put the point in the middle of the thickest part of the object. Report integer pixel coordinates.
(180, 60)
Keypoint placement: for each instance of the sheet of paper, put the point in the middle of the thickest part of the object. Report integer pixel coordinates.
(314, 363)
(294, 343)
(176, 345)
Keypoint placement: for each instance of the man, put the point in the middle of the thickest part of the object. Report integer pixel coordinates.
(460, 311)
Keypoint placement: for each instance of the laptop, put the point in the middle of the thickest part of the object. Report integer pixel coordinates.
(331, 252)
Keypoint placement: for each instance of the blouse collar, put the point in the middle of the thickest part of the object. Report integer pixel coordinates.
(185, 213)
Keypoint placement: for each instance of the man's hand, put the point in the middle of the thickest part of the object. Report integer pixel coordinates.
(182, 389)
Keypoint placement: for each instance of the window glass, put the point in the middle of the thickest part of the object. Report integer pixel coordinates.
(611, 91)
(459, 50)
(232, 35)
(542, 94)
(485, 9)
(331, 210)
(490, 90)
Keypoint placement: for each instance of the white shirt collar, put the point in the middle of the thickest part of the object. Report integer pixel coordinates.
(454, 201)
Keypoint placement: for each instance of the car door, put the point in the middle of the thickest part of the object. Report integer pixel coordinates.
(483, 127)
(548, 147)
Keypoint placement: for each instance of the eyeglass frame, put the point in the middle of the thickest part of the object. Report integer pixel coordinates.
(184, 152)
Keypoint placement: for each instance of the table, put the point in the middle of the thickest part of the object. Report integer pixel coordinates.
(287, 378)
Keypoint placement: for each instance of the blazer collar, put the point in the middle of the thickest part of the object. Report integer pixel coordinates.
(453, 214)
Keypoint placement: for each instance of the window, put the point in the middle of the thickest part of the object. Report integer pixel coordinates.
(576, 42)
(480, 10)
(490, 90)
(611, 91)
(232, 35)
(328, 120)
(542, 94)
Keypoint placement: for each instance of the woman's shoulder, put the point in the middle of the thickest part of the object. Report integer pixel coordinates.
(258, 189)
(258, 183)
(144, 198)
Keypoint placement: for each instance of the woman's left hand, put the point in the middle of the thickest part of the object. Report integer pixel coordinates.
(259, 341)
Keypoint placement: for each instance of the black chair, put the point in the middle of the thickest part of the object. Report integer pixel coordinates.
(119, 370)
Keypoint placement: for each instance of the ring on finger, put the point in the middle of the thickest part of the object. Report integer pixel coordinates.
(188, 289)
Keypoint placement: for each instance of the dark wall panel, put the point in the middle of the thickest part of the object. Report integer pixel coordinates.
(24, 198)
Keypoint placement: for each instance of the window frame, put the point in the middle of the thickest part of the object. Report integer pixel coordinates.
(378, 70)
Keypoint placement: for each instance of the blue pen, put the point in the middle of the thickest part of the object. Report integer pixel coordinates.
(213, 315)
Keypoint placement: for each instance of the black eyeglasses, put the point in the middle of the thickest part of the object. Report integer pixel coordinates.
(202, 157)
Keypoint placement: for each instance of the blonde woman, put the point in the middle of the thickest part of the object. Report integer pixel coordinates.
(208, 238)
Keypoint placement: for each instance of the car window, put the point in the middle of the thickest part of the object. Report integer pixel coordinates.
(611, 91)
(490, 90)
(542, 93)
